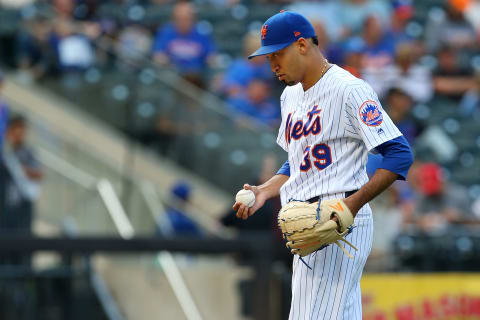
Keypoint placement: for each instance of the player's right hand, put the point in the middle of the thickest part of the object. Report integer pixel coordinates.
(243, 212)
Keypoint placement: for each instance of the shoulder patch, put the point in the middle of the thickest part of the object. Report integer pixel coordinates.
(370, 113)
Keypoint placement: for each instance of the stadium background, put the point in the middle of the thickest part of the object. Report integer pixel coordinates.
(137, 131)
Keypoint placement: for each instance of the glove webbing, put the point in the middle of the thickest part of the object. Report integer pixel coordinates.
(338, 244)
(350, 229)
(343, 248)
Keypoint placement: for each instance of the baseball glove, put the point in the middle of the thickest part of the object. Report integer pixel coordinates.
(307, 226)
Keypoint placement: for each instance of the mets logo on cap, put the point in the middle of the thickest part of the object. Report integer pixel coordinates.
(264, 31)
(370, 113)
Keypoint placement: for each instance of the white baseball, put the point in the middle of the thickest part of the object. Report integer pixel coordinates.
(246, 197)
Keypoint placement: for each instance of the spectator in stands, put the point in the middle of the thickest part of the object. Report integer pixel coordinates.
(402, 12)
(354, 13)
(470, 102)
(331, 50)
(439, 204)
(472, 14)
(35, 56)
(64, 8)
(3, 113)
(256, 103)
(80, 10)
(243, 71)
(184, 46)
(86, 10)
(399, 105)
(73, 48)
(181, 224)
(379, 48)
(133, 45)
(352, 59)
(166, 128)
(20, 178)
(451, 30)
(325, 13)
(450, 79)
(411, 77)
(341, 19)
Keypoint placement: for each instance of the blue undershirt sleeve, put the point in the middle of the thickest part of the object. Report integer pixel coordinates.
(285, 169)
(397, 156)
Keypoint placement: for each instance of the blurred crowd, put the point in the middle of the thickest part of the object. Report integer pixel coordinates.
(20, 176)
(422, 58)
(379, 41)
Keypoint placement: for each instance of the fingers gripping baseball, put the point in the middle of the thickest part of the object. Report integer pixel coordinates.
(247, 201)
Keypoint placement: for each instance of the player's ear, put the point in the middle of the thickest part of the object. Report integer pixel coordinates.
(302, 45)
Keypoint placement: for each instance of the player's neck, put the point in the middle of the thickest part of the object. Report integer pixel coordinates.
(314, 74)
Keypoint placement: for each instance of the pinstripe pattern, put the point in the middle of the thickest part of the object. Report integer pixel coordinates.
(339, 95)
(331, 289)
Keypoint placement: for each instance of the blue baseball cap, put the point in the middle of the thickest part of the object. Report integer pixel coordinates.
(181, 189)
(281, 30)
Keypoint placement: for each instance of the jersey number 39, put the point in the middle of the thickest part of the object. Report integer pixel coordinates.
(322, 155)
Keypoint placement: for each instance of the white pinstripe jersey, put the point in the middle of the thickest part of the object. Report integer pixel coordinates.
(327, 131)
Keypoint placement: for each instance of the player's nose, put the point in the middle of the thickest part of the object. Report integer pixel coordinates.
(274, 66)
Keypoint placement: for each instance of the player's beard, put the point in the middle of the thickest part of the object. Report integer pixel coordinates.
(289, 83)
